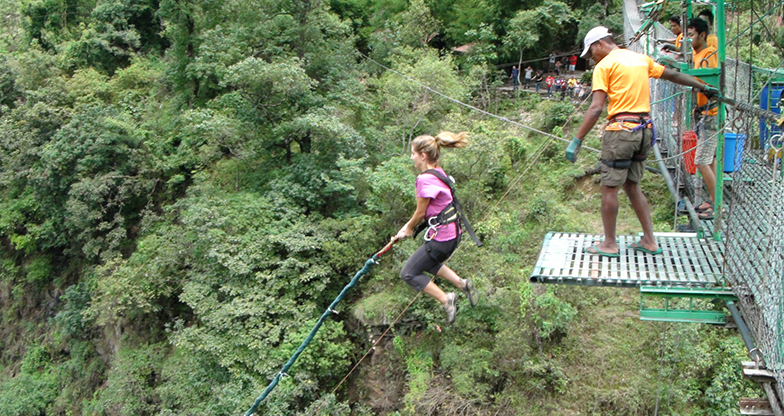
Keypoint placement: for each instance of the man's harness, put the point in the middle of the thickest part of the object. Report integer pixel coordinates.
(642, 121)
(451, 213)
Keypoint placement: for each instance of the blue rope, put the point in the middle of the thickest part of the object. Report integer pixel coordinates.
(368, 265)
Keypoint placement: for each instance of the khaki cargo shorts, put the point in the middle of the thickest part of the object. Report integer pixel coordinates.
(622, 145)
(707, 133)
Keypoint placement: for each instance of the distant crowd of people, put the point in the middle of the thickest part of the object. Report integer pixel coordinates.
(559, 79)
(554, 82)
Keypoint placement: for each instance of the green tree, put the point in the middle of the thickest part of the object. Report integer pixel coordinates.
(49, 22)
(92, 182)
(529, 26)
(410, 109)
(117, 31)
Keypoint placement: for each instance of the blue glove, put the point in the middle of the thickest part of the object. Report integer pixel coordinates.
(573, 149)
(710, 92)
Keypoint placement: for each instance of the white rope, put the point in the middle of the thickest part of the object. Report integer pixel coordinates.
(704, 142)
(505, 119)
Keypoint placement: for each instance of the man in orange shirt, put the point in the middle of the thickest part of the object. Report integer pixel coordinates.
(674, 44)
(705, 156)
(707, 16)
(622, 76)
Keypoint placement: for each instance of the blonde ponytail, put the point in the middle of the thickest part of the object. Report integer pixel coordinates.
(431, 146)
(449, 139)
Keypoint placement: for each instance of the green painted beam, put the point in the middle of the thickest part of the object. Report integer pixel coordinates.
(709, 75)
(777, 75)
(683, 292)
(682, 316)
(673, 63)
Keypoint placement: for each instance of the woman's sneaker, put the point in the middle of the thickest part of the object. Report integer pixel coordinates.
(470, 291)
(450, 307)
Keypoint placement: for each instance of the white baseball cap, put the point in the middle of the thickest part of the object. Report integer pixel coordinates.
(593, 35)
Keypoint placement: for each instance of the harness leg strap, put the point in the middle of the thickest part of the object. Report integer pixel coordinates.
(618, 164)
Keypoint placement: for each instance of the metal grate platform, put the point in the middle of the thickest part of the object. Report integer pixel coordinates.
(686, 261)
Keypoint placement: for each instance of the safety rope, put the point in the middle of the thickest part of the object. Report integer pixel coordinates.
(668, 98)
(569, 53)
(661, 367)
(708, 140)
(372, 347)
(330, 310)
(374, 259)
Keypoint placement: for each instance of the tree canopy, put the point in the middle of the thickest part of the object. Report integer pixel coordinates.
(185, 185)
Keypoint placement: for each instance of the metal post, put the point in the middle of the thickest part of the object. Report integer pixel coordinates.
(720, 120)
(755, 354)
(774, 402)
(666, 174)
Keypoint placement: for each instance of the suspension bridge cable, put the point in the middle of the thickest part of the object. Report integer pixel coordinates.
(479, 110)
(534, 159)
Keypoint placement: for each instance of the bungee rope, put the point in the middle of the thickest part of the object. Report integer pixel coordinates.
(374, 260)
(330, 310)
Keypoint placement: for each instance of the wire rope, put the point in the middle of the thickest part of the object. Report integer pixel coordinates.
(469, 106)
(781, 2)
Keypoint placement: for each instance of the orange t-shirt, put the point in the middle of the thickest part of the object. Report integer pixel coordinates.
(623, 75)
(713, 41)
(706, 58)
(678, 41)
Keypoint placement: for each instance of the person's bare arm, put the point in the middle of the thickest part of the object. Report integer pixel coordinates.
(593, 113)
(419, 215)
(683, 79)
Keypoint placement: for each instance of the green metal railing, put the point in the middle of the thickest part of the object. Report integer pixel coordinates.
(752, 227)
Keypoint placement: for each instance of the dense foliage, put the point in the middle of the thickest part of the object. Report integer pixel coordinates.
(185, 185)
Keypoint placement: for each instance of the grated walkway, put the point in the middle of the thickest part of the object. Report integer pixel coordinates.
(686, 261)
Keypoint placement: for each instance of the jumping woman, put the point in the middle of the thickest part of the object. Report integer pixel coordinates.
(441, 239)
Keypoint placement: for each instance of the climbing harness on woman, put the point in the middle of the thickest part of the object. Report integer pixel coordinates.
(444, 220)
(451, 213)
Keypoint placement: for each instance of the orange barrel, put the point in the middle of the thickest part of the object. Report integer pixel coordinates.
(689, 149)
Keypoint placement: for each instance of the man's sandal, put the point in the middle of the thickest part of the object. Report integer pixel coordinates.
(595, 251)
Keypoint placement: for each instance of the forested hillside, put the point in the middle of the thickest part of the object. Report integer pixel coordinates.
(186, 185)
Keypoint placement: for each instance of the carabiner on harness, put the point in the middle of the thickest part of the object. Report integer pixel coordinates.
(642, 123)
(432, 223)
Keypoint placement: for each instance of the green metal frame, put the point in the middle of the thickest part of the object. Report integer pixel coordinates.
(683, 316)
(712, 76)
(720, 34)
(690, 315)
(685, 292)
